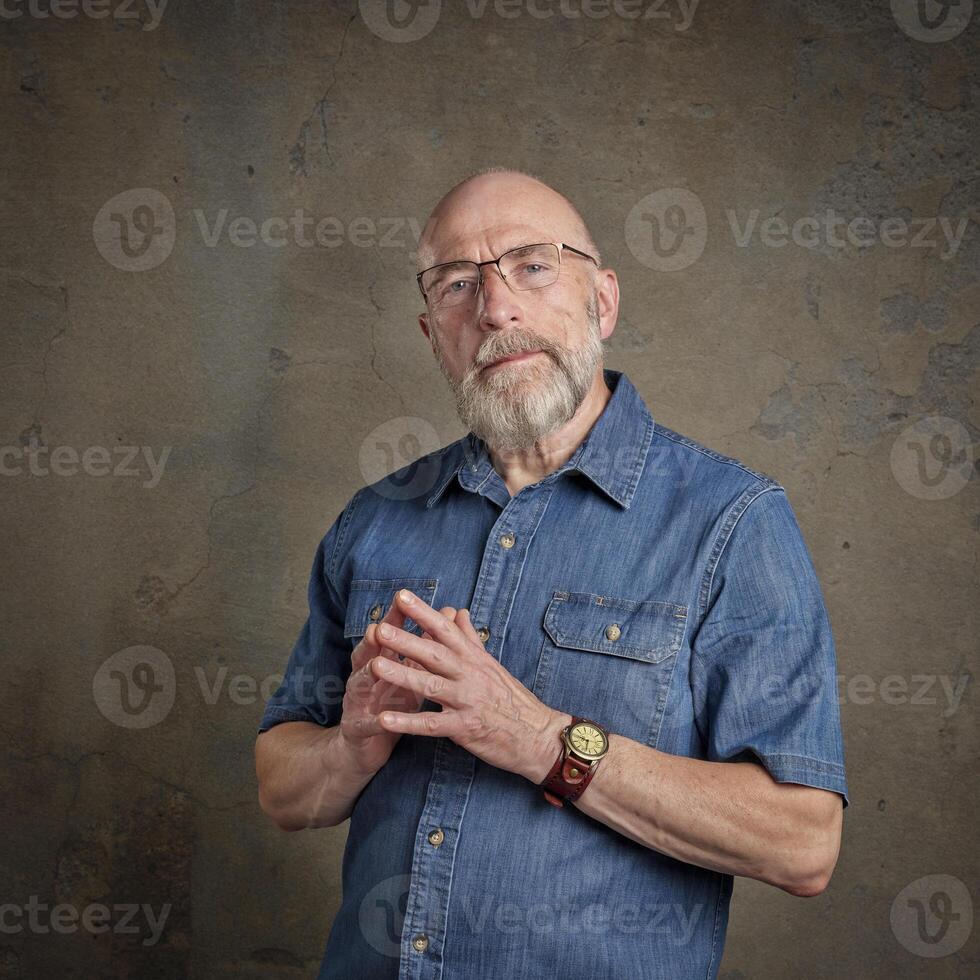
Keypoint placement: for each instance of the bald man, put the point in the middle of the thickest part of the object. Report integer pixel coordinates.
(567, 675)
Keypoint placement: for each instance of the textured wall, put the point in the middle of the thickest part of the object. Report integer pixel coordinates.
(197, 374)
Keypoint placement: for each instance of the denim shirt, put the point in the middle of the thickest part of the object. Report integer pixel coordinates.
(454, 868)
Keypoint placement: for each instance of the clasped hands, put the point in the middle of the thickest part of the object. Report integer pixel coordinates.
(485, 709)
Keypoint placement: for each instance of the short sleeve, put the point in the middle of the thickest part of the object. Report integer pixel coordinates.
(764, 666)
(316, 675)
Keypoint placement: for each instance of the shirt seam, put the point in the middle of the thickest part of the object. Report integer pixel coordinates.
(696, 447)
(809, 763)
(725, 533)
(331, 562)
(277, 714)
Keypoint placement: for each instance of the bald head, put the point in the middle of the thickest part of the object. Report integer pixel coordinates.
(498, 209)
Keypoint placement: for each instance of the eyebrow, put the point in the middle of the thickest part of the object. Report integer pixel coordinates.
(513, 248)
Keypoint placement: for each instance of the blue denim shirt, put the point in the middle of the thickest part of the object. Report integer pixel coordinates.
(457, 869)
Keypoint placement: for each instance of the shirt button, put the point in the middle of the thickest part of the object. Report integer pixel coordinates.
(507, 540)
(375, 612)
(420, 943)
(436, 837)
(483, 633)
(613, 632)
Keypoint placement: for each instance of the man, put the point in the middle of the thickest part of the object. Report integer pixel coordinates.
(628, 692)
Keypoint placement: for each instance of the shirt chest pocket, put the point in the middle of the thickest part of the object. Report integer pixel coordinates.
(371, 598)
(610, 659)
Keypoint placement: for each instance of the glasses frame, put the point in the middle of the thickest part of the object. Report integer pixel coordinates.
(561, 246)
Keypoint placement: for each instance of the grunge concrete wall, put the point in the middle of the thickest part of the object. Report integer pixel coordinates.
(195, 380)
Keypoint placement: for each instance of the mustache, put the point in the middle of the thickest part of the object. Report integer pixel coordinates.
(499, 351)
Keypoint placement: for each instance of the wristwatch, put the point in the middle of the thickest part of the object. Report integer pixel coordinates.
(584, 743)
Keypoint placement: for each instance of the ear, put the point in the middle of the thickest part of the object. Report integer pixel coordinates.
(424, 324)
(607, 299)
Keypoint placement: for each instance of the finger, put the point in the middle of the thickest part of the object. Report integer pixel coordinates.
(440, 628)
(439, 723)
(440, 655)
(360, 683)
(432, 686)
(464, 622)
(384, 694)
(369, 648)
(450, 613)
(364, 725)
(371, 645)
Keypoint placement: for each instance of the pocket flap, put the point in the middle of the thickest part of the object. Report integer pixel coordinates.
(371, 598)
(642, 630)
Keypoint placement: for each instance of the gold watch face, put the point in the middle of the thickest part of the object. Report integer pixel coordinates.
(587, 740)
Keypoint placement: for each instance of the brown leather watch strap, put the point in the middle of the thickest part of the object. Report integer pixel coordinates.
(569, 776)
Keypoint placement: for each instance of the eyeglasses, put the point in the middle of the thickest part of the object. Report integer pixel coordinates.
(526, 267)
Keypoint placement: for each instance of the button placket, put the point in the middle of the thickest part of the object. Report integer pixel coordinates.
(453, 767)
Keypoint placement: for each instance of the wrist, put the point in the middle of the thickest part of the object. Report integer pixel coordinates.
(354, 765)
(546, 745)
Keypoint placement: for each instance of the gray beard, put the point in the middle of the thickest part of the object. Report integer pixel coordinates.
(513, 408)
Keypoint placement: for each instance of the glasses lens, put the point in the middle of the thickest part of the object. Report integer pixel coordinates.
(531, 266)
(449, 285)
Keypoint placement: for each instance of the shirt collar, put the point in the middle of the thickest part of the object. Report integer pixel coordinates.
(611, 456)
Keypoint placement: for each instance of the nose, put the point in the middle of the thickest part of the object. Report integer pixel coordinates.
(498, 303)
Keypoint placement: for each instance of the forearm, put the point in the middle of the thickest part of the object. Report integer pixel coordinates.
(729, 817)
(306, 777)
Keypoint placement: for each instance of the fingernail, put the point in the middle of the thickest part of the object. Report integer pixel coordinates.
(385, 630)
(406, 596)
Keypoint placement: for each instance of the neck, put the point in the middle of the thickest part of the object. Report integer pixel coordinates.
(520, 468)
